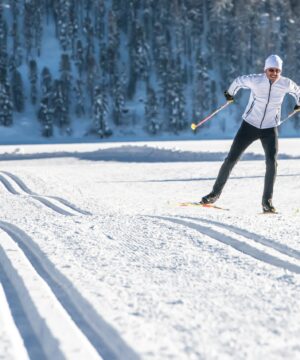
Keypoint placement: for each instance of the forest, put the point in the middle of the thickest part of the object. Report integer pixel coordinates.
(119, 63)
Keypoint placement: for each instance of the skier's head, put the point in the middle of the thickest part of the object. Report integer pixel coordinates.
(273, 67)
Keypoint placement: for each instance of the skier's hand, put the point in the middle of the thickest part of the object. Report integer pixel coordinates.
(228, 96)
(297, 108)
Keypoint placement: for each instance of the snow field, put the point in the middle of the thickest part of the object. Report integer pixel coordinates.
(155, 280)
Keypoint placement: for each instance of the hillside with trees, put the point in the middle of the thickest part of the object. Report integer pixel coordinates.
(126, 63)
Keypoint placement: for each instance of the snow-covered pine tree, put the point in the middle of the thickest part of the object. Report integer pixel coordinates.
(63, 19)
(46, 82)
(79, 58)
(153, 123)
(15, 33)
(33, 77)
(28, 29)
(100, 109)
(73, 27)
(6, 105)
(88, 6)
(100, 20)
(91, 69)
(45, 116)
(111, 57)
(60, 111)
(3, 48)
(38, 25)
(148, 20)
(113, 30)
(118, 100)
(162, 59)
(79, 98)
(201, 88)
(139, 59)
(88, 31)
(17, 91)
(176, 99)
(66, 79)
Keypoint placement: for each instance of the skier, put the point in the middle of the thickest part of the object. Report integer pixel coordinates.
(260, 121)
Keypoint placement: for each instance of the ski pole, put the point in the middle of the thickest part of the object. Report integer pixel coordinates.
(290, 115)
(194, 126)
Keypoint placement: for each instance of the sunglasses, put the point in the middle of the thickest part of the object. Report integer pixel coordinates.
(274, 71)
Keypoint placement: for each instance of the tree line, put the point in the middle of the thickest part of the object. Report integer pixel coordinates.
(171, 59)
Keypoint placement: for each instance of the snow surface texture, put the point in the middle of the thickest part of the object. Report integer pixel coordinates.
(94, 247)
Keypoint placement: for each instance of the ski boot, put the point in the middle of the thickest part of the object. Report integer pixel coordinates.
(210, 198)
(268, 207)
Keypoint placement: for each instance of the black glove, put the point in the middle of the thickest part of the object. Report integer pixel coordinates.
(297, 108)
(228, 96)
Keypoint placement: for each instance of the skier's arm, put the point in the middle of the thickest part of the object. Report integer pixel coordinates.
(239, 83)
(294, 90)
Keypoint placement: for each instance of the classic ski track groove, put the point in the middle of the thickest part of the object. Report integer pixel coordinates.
(238, 245)
(286, 250)
(103, 339)
(58, 335)
(9, 315)
(31, 342)
(42, 199)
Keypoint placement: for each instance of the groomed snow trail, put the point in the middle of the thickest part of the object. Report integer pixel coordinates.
(94, 247)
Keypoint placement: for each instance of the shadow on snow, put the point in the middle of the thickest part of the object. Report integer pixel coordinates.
(138, 154)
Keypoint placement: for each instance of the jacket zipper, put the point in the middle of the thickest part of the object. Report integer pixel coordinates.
(266, 105)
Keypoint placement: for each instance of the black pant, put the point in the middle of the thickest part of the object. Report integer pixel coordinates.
(244, 137)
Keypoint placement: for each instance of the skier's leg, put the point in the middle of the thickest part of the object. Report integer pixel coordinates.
(269, 142)
(244, 137)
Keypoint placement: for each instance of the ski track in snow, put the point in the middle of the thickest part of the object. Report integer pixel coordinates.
(13, 347)
(158, 275)
(55, 203)
(53, 318)
(239, 245)
(252, 236)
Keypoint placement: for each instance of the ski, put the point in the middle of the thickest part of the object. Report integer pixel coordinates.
(269, 213)
(210, 206)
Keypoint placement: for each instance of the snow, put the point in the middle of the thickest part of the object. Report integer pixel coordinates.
(95, 238)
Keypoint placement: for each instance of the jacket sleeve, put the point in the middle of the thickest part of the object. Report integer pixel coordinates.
(294, 90)
(240, 82)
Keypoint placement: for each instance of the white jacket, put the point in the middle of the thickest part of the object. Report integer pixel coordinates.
(264, 107)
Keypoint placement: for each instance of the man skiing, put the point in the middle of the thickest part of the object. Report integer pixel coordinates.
(260, 121)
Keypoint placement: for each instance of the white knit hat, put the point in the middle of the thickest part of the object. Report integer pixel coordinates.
(273, 61)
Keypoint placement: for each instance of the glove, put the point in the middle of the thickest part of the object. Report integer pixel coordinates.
(230, 97)
(297, 108)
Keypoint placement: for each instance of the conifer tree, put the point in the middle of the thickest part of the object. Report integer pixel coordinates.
(15, 33)
(45, 116)
(17, 91)
(4, 56)
(6, 106)
(60, 110)
(66, 79)
(73, 28)
(28, 27)
(118, 100)
(176, 101)
(79, 58)
(100, 110)
(79, 98)
(33, 77)
(153, 124)
(46, 82)
(100, 20)
(91, 69)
